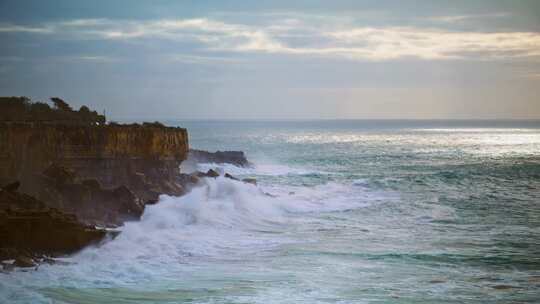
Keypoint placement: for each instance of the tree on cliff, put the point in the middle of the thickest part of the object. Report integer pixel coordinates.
(61, 105)
(91, 117)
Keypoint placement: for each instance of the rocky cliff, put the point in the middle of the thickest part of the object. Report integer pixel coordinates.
(63, 172)
(29, 228)
(80, 167)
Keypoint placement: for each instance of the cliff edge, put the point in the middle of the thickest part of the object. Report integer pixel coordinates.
(74, 161)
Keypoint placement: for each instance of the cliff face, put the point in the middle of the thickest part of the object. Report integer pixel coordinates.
(27, 148)
(77, 168)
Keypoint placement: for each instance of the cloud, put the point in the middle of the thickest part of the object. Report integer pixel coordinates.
(297, 36)
(397, 42)
(460, 18)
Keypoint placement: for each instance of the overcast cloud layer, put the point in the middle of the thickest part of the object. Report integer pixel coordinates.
(379, 61)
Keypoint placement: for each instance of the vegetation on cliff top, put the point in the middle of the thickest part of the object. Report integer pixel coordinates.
(22, 109)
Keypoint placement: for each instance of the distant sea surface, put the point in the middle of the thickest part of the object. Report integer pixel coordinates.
(344, 212)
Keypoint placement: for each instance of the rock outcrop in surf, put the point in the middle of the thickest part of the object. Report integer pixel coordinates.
(29, 228)
(236, 158)
(76, 170)
(64, 172)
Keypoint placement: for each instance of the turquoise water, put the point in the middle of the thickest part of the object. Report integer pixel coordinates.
(359, 212)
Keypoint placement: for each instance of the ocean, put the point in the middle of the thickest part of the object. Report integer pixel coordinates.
(348, 211)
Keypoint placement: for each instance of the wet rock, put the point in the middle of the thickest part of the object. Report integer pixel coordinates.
(227, 175)
(209, 173)
(236, 158)
(24, 262)
(212, 173)
(48, 260)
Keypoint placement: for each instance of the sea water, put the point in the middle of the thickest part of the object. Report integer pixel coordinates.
(344, 212)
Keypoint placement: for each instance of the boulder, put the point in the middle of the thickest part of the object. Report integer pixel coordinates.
(212, 173)
(24, 262)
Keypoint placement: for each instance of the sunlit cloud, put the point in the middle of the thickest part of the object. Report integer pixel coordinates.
(460, 18)
(295, 36)
(396, 42)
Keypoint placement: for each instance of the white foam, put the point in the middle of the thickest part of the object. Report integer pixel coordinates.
(222, 217)
(222, 222)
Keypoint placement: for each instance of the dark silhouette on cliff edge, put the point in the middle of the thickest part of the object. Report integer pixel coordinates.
(22, 109)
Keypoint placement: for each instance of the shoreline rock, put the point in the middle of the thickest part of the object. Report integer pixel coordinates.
(236, 158)
(27, 225)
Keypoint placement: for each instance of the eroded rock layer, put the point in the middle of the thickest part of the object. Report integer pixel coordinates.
(101, 173)
(27, 225)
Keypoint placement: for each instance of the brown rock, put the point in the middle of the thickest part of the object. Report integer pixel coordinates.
(35, 228)
(51, 158)
(24, 262)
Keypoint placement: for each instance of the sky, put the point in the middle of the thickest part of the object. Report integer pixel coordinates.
(461, 59)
